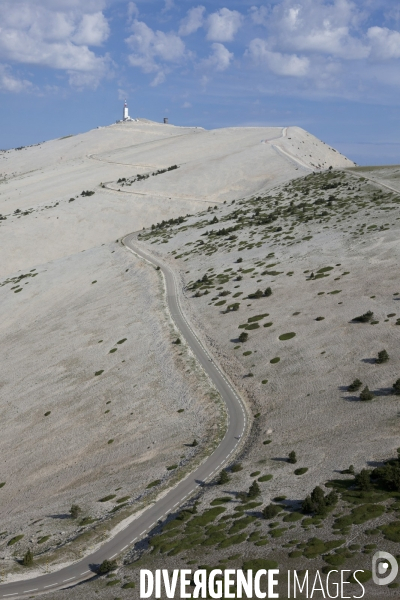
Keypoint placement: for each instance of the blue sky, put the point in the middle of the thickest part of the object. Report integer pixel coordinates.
(330, 66)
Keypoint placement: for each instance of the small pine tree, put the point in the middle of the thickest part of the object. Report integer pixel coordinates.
(366, 394)
(195, 443)
(353, 387)
(74, 511)
(351, 470)
(270, 511)
(254, 490)
(268, 292)
(383, 356)
(243, 337)
(177, 341)
(292, 457)
(107, 566)
(223, 477)
(27, 561)
(396, 387)
(258, 294)
(363, 480)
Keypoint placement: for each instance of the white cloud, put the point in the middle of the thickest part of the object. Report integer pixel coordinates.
(385, 43)
(93, 30)
(186, 105)
(193, 21)
(56, 34)
(9, 83)
(133, 12)
(316, 26)
(223, 25)
(149, 47)
(158, 79)
(282, 64)
(220, 59)
(259, 15)
(169, 5)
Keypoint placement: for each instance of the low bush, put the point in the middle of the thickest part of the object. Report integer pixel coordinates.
(301, 471)
(366, 394)
(292, 459)
(243, 337)
(287, 336)
(383, 356)
(396, 387)
(353, 387)
(107, 566)
(27, 561)
(107, 498)
(271, 510)
(365, 318)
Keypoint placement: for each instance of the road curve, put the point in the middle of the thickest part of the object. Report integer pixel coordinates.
(178, 495)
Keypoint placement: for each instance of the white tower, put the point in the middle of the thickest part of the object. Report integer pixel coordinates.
(125, 115)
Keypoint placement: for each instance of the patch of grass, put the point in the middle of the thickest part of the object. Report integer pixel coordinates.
(320, 318)
(265, 442)
(293, 517)
(113, 582)
(232, 540)
(275, 360)
(362, 576)
(392, 531)
(46, 414)
(2, 484)
(247, 353)
(44, 539)
(287, 336)
(222, 500)
(267, 324)
(172, 467)
(257, 318)
(113, 350)
(264, 381)
(129, 585)
(99, 372)
(236, 468)
(265, 478)
(124, 499)
(153, 483)
(255, 473)
(301, 471)
(181, 410)
(335, 292)
(110, 441)
(253, 326)
(220, 303)
(107, 498)
(14, 540)
(87, 521)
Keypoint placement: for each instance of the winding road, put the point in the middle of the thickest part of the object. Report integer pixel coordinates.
(178, 495)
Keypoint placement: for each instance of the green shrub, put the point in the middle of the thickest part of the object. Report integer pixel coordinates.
(353, 387)
(319, 503)
(14, 540)
(153, 483)
(43, 539)
(107, 498)
(129, 585)
(172, 467)
(74, 511)
(268, 292)
(271, 510)
(396, 388)
(243, 337)
(223, 477)
(365, 318)
(264, 478)
(320, 318)
(267, 324)
(27, 561)
(254, 490)
(366, 394)
(255, 473)
(46, 414)
(292, 457)
(287, 336)
(275, 360)
(99, 372)
(122, 341)
(107, 566)
(383, 356)
(2, 484)
(236, 468)
(301, 471)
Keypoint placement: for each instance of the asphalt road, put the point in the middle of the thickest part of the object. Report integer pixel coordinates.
(177, 496)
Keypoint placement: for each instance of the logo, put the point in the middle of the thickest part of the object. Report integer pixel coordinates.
(384, 563)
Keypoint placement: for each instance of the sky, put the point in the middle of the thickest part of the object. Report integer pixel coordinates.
(329, 66)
